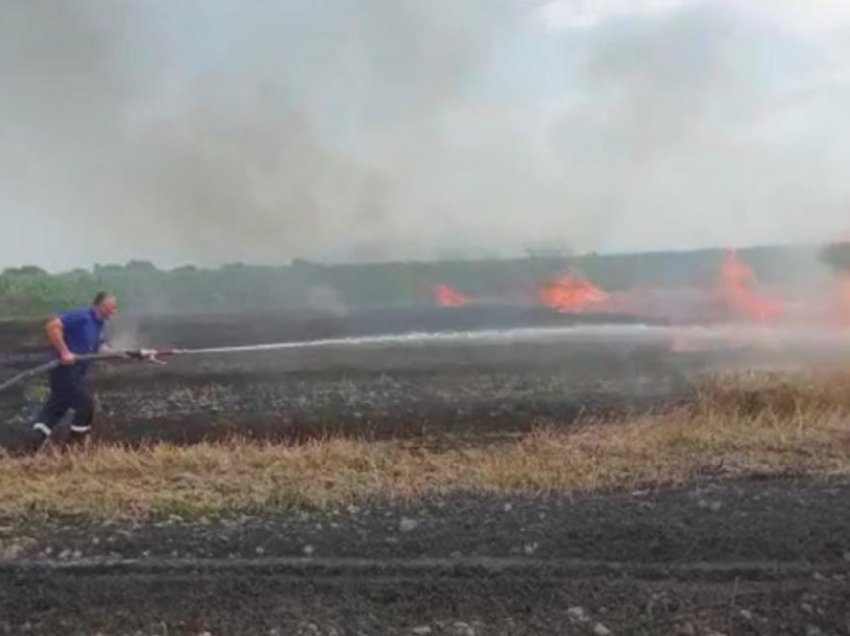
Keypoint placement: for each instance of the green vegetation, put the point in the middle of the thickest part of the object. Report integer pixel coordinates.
(29, 292)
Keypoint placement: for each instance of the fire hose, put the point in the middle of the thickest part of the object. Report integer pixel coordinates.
(154, 355)
(150, 355)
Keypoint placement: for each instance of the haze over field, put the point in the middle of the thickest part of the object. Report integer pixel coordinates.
(211, 131)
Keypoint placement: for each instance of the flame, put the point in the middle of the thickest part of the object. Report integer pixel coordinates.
(841, 300)
(737, 280)
(836, 256)
(570, 293)
(445, 296)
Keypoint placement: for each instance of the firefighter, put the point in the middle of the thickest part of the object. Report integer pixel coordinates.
(74, 333)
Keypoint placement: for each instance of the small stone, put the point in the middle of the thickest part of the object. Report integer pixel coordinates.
(577, 613)
(819, 577)
(530, 548)
(260, 550)
(686, 629)
(65, 554)
(747, 615)
(508, 507)
(77, 554)
(806, 608)
(714, 506)
(308, 550)
(407, 525)
(846, 556)
(600, 630)
(421, 630)
(13, 551)
(463, 629)
(812, 630)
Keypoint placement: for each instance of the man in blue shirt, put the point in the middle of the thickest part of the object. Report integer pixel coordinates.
(71, 334)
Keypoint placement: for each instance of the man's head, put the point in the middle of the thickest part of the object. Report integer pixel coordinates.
(105, 305)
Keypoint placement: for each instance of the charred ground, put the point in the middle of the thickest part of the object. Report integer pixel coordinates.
(750, 539)
(376, 390)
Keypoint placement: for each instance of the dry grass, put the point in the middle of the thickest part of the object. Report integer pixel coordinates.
(739, 425)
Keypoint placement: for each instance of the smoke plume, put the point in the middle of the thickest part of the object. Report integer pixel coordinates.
(377, 129)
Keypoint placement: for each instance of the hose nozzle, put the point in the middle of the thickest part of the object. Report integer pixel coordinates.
(146, 355)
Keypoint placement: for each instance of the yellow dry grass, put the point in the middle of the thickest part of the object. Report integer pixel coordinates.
(738, 425)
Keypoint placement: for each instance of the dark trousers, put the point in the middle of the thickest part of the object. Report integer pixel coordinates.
(69, 389)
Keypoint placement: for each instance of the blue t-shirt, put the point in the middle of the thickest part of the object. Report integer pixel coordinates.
(83, 330)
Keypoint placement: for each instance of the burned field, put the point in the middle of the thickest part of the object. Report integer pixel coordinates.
(403, 387)
(537, 483)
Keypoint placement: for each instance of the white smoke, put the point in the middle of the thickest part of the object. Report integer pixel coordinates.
(258, 132)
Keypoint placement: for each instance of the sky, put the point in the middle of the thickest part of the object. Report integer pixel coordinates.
(212, 131)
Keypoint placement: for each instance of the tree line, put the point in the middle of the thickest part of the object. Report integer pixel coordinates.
(29, 291)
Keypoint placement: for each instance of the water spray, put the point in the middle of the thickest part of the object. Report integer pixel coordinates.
(700, 338)
(490, 336)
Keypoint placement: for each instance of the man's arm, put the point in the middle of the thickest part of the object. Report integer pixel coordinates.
(56, 336)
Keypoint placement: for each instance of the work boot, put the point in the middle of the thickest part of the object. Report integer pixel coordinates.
(39, 438)
(78, 438)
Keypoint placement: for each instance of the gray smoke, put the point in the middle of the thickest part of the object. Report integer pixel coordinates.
(371, 129)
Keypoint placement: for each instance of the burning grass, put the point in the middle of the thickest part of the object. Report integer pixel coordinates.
(740, 425)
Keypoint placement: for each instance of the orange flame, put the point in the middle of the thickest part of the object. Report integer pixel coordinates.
(445, 296)
(570, 293)
(737, 280)
(841, 300)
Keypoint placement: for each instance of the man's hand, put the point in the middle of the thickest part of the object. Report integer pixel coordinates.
(66, 357)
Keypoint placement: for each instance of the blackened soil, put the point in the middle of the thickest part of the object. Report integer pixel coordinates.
(404, 390)
(257, 603)
(774, 520)
(740, 558)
